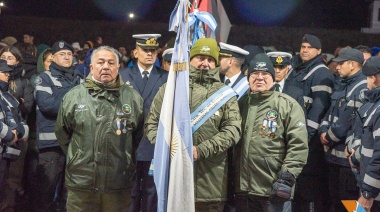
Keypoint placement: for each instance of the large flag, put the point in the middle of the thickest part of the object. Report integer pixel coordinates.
(173, 154)
(216, 9)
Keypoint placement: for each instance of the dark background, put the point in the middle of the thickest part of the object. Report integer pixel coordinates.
(330, 14)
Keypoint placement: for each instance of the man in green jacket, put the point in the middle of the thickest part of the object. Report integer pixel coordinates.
(212, 139)
(95, 127)
(273, 148)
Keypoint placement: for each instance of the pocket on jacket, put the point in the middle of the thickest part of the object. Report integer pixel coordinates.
(274, 166)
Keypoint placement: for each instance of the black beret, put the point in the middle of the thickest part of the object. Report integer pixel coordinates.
(312, 40)
(371, 66)
(61, 45)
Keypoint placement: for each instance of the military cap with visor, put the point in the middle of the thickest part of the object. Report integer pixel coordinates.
(227, 50)
(167, 55)
(280, 58)
(147, 41)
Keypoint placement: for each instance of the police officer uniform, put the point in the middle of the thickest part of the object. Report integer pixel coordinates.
(51, 86)
(337, 124)
(144, 195)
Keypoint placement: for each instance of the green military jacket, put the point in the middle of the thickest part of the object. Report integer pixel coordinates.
(212, 139)
(95, 128)
(274, 138)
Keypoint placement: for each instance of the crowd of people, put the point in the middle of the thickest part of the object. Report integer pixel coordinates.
(289, 132)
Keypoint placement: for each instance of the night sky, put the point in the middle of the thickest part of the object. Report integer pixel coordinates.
(332, 14)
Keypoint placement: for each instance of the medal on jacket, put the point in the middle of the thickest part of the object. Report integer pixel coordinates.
(118, 131)
(270, 124)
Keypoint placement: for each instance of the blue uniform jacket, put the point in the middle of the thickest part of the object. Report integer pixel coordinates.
(157, 78)
(51, 86)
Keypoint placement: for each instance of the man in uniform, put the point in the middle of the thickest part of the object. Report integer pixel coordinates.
(146, 79)
(370, 140)
(314, 78)
(167, 59)
(51, 86)
(273, 148)
(96, 124)
(337, 125)
(282, 67)
(231, 60)
(217, 133)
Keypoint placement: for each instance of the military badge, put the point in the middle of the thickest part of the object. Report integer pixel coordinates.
(61, 45)
(279, 60)
(127, 109)
(205, 49)
(272, 115)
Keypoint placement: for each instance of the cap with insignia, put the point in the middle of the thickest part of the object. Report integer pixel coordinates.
(147, 41)
(261, 62)
(280, 58)
(61, 45)
(227, 50)
(206, 46)
(167, 55)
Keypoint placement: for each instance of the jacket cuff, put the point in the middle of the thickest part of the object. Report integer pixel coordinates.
(201, 156)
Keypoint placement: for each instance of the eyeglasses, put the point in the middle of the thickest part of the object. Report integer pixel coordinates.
(265, 75)
(63, 54)
(7, 58)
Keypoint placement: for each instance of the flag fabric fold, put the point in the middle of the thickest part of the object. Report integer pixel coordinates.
(173, 155)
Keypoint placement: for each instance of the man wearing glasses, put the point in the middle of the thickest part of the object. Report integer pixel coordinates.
(274, 146)
(50, 89)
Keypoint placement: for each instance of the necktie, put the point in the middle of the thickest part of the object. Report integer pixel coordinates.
(277, 87)
(145, 78)
(227, 82)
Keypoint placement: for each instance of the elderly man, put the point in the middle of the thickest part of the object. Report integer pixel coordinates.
(51, 86)
(314, 78)
(146, 79)
(273, 148)
(95, 127)
(215, 135)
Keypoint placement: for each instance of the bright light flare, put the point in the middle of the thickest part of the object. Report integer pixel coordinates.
(131, 15)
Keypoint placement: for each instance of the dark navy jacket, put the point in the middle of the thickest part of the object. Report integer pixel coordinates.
(51, 86)
(370, 146)
(340, 118)
(157, 77)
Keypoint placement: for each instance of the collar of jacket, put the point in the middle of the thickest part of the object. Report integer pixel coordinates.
(203, 76)
(97, 89)
(373, 95)
(308, 65)
(353, 78)
(17, 71)
(258, 97)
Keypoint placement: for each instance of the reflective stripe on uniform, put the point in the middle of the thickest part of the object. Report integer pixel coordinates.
(45, 89)
(47, 136)
(337, 153)
(313, 70)
(1, 115)
(353, 103)
(4, 131)
(321, 88)
(324, 123)
(53, 79)
(376, 133)
(332, 136)
(307, 99)
(371, 181)
(357, 85)
(366, 152)
(312, 124)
